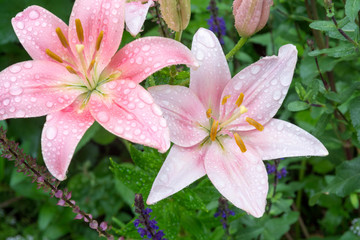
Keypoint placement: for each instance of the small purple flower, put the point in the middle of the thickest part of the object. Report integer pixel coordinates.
(224, 212)
(150, 228)
(272, 169)
(216, 24)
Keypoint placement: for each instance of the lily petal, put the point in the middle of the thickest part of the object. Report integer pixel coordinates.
(184, 113)
(238, 177)
(61, 134)
(209, 80)
(264, 84)
(181, 167)
(135, 15)
(128, 111)
(36, 88)
(35, 27)
(282, 139)
(96, 16)
(142, 57)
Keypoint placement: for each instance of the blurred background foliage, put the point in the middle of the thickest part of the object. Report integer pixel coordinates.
(319, 197)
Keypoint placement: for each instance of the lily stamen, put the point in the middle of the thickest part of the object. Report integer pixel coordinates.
(71, 70)
(241, 111)
(54, 56)
(62, 38)
(98, 40)
(208, 113)
(213, 131)
(240, 100)
(79, 30)
(254, 123)
(240, 142)
(224, 100)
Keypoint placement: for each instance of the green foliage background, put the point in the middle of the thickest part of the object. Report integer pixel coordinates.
(317, 200)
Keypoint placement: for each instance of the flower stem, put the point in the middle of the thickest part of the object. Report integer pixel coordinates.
(178, 36)
(237, 47)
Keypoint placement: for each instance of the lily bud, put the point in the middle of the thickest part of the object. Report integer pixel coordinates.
(176, 13)
(251, 15)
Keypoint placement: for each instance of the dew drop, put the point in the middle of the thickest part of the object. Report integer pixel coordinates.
(103, 117)
(20, 113)
(255, 69)
(200, 55)
(277, 95)
(285, 81)
(156, 110)
(51, 132)
(7, 84)
(132, 85)
(119, 130)
(145, 48)
(15, 91)
(15, 69)
(146, 97)
(49, 104)
(20, 25)
(6, 102)
(131, 106)
(33, 99)
(28, 65)
(115, 20)
(139, 60)
(163, 123)
(137, 132)
(34, 15)
(205, 39)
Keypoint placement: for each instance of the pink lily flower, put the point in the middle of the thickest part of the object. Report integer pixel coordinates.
(135, 15)
(224, 127)
(75, 79)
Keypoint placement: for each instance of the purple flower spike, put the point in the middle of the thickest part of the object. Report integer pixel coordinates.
(78, 216)
(94, 224)
(59, 194)
(103, 226)
(61, 202)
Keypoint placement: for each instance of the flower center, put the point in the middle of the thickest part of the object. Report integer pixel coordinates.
(220, 129)
(78, 63)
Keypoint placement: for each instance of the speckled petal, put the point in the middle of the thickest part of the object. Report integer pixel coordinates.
(61, 134)
(282, 139)
(181, 167)
(96, 16)
(35, 88)
(184, 113)
(135, 15)
(128, 111)
(35, 27)
(264, 84)
(239, 177)
(209, 80)
(142, 57)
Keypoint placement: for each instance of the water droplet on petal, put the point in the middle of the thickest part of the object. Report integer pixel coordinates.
(34, 15)
(145, 48)
(103, 117)
(51, 132)
(119, 130)
(146, 97)
(156, 110)
(15, 91)
(20, 25)
(132, 85)
(6, 102)
(200, 55)
(139, 60)
(20, 113)
(277, 95)
(49, 104)
(33, 99)
(255, 69)
(163, 123)
(206, 39)
(15, 69)
(131, 106)
(137, 132)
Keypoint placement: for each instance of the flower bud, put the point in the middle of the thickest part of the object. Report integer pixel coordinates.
(251, 15)
(176, 13)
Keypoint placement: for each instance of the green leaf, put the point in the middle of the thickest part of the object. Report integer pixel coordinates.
(355, 114)
(134, 178)
(194, 226)
(46, 214)
(347, 178)
(352, 8)
(148, 159)
(297, 106)
(338, 51)
(276, 227)
(189, 200)
(87, 136)
(323, 25)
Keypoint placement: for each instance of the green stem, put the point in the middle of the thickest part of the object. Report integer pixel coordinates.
(237, 47)
(299, 196)
(178, 36)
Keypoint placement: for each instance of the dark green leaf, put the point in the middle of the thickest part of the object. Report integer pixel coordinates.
(339, 51)
(352, 8)
(297, 106)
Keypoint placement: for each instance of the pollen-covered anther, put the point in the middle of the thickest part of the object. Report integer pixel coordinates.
(240, 100)
(254, 123)
(98, 40)
(213, 130)
(224, 100)
(62, 37)
(91, 65)
(54, 56)
(71, 70)
(208, 113)
(240, 142)
(79, 30)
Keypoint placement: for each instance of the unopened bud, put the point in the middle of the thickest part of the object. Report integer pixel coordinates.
(176, 13)
(251, 15)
